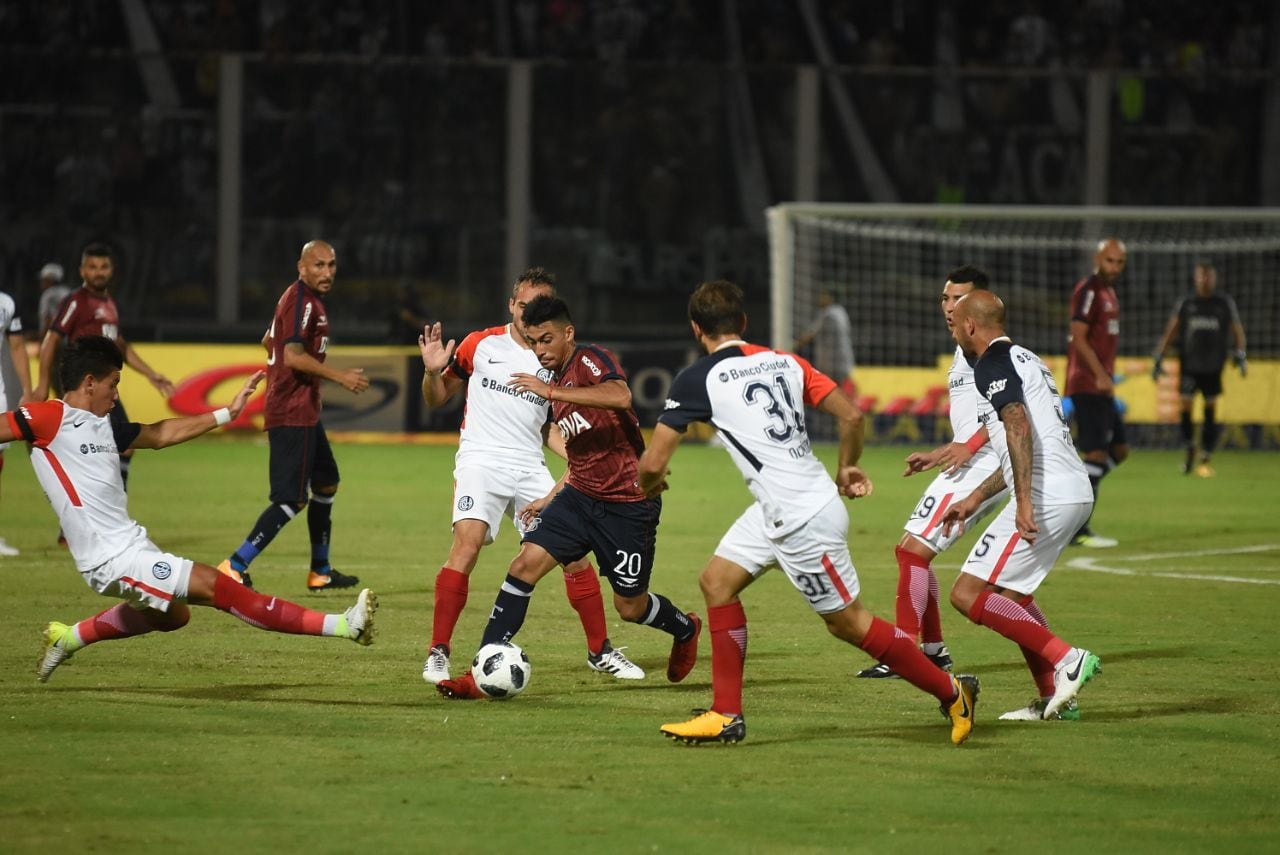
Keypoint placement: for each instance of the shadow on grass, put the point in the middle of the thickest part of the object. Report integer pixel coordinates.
(276, 693)
(1108, 658)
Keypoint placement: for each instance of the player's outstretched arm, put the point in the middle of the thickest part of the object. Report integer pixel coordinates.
(652, 469)
(137, 363)
(960, 511)
(168, 432)
(436, 387)
(610, 395)
(296, 358)
(48, 350)
(851, 480)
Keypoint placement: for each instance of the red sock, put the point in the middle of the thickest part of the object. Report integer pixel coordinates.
(1014, 622)
(931, 622)
(728, 627)
(119, 621)
(1041, 668)
(450, 600)
(583, 589)
(915, 580)
(265, 612)
(890, 645)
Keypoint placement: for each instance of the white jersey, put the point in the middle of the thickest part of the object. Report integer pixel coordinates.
(1007, 373)
(10, 324)
(755, 398)
(500, 426)
(76, 458)
(964, 410)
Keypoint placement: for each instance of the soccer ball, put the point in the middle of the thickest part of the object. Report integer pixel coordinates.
(501, 670)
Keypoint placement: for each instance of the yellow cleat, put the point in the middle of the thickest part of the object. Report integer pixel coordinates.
(1204, 470)
(961, 710)
(709, 726)
(226, 569)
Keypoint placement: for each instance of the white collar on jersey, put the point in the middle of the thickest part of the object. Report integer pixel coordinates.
(735, 342)
(1000, 338)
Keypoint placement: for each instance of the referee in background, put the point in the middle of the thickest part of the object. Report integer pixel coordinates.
(1202, 326)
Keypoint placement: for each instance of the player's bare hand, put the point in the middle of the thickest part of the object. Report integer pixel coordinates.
(353, 380)
(1106, 386)
(953, 519)
(853, 483)
(654, 488)
(954, 455)
(435, 352)
(162, 384)
(921, 461)
(529, 383)
(533, 510)
(1025, 520)
(237, 405)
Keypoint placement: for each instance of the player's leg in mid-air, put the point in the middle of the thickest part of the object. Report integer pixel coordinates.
(156, 587)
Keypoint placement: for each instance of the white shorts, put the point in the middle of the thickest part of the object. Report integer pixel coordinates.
(815, 557)
(490, 493)
(144, 575)
(1001, 557)
(925, 524)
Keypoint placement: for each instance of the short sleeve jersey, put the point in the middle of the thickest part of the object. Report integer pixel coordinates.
(603, 446)
(964, 407)
(293, 397)
(501, 426)
(1094, 302)
(50, 299)
(755, 397)
(1204, 332)
(1007, 373)
(76, 459)
(10, 324)
(84, 313)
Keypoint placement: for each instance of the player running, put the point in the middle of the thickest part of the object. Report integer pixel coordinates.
(597, 506)
(755, 399)
(74, 450)
(1051, 500)
(500, 469)
(966, 464)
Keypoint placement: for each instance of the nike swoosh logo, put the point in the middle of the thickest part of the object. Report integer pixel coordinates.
(271, 606)
(1075, 675)
(493, 361)
(78, 424)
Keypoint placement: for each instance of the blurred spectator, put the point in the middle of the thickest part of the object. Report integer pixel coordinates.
(52, 293)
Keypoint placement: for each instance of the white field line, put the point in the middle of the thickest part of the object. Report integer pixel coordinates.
(1096, 565)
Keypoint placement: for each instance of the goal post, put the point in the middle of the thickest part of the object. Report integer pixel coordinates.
(886, 264)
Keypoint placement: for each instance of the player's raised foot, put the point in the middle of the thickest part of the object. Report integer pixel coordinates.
(610, 660)
(462, 689)
(6, 550)
(360, 627)
(1034, 711)
(961, 710)
(1069, 678)
(707, 726)
(684, 654)
(329, 581)
(879, 671)
(241, 576)
(55, 652)
(1090, 539)
(436, 669)
(1204, 470)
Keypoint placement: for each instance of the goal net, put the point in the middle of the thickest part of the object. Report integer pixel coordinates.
(887, 264)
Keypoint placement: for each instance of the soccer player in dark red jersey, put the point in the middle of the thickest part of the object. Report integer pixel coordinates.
(1091, 365)
(302, 462)
(597, 506)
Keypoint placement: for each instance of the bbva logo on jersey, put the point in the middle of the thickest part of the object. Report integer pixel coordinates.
(996, 387)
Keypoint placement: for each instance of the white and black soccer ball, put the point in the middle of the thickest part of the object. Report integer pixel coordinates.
(501, 670)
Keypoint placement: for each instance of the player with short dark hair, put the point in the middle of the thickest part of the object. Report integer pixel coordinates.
(303, 470)
(755, 398)
(1091, 364)
(1206, 328)
(500, 469)
(1050, 499)
(73, 449)
(598, 506)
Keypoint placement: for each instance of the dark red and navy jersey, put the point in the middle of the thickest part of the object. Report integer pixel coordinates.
(293, 397)
(85, 312)
(1094, 303)
(603, 446)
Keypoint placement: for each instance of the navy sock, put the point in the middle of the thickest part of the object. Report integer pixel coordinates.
(264, 531)
(664, 615)
(319, 524)
(1188, 430)
(509, 609)
(1209, 431)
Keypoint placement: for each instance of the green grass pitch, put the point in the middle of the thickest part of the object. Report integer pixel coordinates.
(221, 738)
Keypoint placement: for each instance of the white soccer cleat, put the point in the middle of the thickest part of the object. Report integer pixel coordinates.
(1069, 678)
(55, 651)
(612, 661)
(6, 550)
(360, 618)
(1034, 711)
(436, 669)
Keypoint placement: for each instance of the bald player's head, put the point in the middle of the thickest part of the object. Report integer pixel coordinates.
(1110, 259)
(978, 318)
(318, 266)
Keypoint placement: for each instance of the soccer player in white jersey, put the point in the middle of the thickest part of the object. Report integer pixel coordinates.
(1051, 500)
(11, 329)
(755, 398)
(75, 450)
(500, 469)
(966, 462)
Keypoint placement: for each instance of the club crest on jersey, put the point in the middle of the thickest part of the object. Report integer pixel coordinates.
(161, 570)
(546, 375)
(722, 377)
(996, 387)
(466, 503)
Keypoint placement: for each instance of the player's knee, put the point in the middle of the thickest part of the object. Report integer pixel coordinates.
(175, 618)
(631, 609)
(320, 493)
(961, 600)
(1119, 453)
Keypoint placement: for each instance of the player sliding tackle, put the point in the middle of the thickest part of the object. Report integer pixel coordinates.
(755, 399)
(75, 451)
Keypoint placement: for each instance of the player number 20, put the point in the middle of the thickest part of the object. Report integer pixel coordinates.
(628, 564)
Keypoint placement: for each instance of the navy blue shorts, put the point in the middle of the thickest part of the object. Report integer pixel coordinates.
(1099, 425)
(621, 535)
(301, 460)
